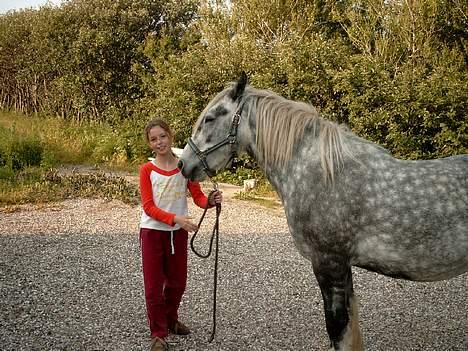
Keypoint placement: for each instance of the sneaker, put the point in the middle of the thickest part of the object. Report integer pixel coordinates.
(159, 344)
(179, 328)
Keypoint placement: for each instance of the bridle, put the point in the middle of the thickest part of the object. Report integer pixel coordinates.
(231, 139)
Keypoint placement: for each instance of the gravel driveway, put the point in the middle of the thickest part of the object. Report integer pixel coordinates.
(70, 279)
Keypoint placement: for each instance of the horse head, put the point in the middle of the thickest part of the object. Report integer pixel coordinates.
(215, 137)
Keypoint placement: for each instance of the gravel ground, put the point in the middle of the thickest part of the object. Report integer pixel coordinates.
(70, 279)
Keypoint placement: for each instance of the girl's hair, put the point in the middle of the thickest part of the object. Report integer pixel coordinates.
(157, 122)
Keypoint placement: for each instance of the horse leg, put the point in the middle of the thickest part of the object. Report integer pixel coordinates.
(340, 304)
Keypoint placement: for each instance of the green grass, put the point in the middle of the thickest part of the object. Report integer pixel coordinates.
(33, 147)
(270, 202)
(69, 142)
(263, 194)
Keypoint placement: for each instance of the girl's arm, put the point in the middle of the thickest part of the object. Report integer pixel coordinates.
(146, 191)
(200, 199)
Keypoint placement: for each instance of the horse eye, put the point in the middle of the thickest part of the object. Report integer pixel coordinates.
(209, 119)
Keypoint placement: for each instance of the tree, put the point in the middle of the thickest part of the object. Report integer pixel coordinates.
(389, 85)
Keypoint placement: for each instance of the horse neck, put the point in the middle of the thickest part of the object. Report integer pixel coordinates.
(278, 174)
(247, 138)
(248, 144)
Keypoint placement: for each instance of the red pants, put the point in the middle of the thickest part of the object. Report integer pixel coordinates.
(164, 262)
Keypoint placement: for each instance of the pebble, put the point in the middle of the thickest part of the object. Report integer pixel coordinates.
(70, 279)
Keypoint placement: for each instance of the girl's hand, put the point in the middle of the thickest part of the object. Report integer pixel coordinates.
(215, 198)
(186, 223)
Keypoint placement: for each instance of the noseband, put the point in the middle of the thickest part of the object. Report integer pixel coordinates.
(231, 139)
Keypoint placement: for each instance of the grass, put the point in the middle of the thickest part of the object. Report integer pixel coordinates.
(33, 147)
(271, 203)
(37, 186)
(263, 194)
(69, 142)
(65, 141)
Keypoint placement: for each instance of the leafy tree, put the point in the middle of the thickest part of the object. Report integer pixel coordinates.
(393, 70)
(81, 54)
(389, 86)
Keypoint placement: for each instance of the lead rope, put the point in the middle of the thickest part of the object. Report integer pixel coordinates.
(214, 234)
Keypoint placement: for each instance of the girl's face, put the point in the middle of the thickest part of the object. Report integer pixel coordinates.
(160, 141)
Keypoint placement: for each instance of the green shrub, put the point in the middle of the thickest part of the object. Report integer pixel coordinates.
(26, 152)
(3, 157)
(243, 168)
(49, 159)
(6, 173)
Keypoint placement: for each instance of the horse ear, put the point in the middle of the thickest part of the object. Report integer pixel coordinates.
(239, 87)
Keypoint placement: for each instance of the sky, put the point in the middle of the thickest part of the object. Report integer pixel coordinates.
(6, 5)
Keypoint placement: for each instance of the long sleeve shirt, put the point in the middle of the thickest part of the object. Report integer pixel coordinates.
(164, 195)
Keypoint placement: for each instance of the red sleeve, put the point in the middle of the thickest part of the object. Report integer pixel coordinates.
(198, 196)
(146, 191)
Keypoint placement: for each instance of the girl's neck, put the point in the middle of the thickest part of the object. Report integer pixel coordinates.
(166, 162)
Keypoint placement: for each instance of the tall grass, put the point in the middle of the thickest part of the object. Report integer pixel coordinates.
(30, 146)
(68, 142)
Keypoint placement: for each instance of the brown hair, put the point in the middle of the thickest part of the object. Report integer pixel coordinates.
(158, 123)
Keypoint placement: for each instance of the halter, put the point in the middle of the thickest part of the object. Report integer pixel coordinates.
(230, 139)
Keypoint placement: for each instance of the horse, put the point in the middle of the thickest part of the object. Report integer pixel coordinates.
(348, 201)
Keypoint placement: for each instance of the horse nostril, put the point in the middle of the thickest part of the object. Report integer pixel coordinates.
(180, 164)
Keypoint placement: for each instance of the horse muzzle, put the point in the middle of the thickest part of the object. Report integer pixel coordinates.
(195, 172)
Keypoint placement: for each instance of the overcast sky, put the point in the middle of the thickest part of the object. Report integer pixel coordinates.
(6, 5)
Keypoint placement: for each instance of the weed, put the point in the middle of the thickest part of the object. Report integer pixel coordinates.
(31, 147)
(33, 185)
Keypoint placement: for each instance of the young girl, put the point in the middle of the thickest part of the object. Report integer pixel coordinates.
(164, 231)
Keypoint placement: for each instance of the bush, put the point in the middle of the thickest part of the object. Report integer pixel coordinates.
(6, 173)
(416, 113)
(25, 153)
(17, 152)
(242, 169)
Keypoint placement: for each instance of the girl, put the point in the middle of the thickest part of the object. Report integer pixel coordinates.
(164, 231)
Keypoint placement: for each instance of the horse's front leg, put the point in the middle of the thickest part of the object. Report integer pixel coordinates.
(341, 311)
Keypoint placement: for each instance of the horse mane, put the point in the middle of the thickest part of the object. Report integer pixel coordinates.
(281, 123)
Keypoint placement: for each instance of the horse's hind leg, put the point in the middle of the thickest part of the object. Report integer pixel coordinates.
(340, 304)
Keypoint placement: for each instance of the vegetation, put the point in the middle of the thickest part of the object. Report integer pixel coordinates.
(32, 147)
(394, 71)
(35, 186)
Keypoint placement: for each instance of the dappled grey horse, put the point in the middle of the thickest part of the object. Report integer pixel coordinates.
(348, 202)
